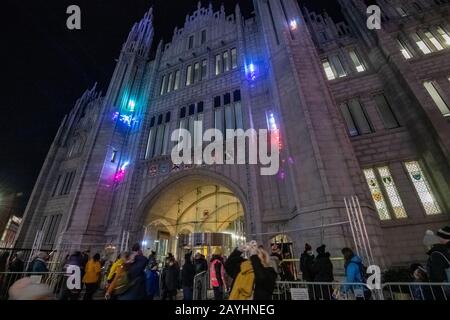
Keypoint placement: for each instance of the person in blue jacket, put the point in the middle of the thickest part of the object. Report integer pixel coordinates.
(152, 281)
(354, 273)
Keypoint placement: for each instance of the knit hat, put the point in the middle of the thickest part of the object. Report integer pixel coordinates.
(308, 247)
(444, 233)
(430, 239)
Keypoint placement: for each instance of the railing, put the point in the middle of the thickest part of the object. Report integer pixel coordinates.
(201, 286)
(416, 291)
(296, 290)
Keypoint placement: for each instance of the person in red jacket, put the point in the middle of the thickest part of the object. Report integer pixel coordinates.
(217, 275)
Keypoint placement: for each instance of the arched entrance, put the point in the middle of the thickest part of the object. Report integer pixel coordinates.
(194, 212)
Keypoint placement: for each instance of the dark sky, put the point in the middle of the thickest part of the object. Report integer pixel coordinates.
(46, 67)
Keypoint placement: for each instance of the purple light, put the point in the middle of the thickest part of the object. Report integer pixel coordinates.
(115, 115)
(120, 175)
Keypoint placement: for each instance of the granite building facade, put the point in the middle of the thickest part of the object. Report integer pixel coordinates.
(359, 112)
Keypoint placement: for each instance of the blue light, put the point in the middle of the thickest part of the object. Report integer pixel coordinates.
(125, 165)
(251, 70)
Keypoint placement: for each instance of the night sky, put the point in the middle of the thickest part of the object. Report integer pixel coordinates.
(46, 67)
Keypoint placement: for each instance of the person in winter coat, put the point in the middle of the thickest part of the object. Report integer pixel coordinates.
(438, 264)
(74, 294)
(217, 275)
(306, 264)
(137, 264)
(120, 283)
(39, 264)
(152, 281)
(322, 270)
(170, 280)
(115, 266)
(265, 276)
(422, 290)
(91, 277)
(200, 263)
(354, 273)
(187, 277)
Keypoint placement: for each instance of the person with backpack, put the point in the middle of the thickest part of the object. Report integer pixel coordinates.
(120, 282)
(438, 264)
(355, 272)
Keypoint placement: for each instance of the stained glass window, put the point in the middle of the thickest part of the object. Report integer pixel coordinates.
(422, 187)
(377, 195)
(392, 192)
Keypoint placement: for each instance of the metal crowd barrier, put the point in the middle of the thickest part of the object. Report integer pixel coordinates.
(55, 281)
(296, 290)
(201, 286)
(416, 291)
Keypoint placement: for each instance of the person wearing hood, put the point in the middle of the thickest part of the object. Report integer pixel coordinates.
(354, 273)
(322, 271)
(306, 264)
(200, 263)
(217, 274)
(187, 277)
(438, 264)
(115, 266)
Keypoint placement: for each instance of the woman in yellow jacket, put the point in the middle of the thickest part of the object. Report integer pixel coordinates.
(92, 276)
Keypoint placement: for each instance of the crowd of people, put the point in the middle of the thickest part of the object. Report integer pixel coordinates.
(248, 273)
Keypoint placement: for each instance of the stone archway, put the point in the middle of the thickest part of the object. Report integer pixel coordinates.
(191, 207)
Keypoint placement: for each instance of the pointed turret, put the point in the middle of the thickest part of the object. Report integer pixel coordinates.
(141, 36)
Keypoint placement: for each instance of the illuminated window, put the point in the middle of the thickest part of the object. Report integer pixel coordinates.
(392, 192)
(163, 85)
(377, 195)
(170, 82)
(444, 34)
(233, 58)
(421, 44)
(337, 65)
(404, 49)
(357, 61)
(218, 61)
(176, 84)
(432, 89)
(189, 75)
(328, 71)
(226, 61)
(434, 41)
(422, 187)
(196, 72)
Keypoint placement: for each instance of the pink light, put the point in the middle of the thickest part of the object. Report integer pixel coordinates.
(293, 25)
